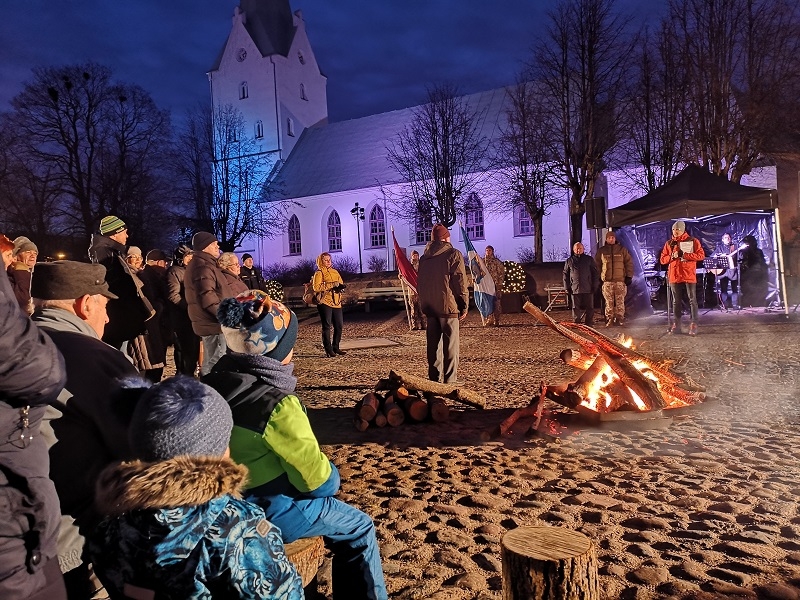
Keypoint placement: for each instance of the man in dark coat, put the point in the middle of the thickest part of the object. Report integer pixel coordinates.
(581, 280)
(149, 350)
(128, 314)
(32, 375)
(444, 298)
(250, 275)
(206, 287)
(85, 429)
(187, 343)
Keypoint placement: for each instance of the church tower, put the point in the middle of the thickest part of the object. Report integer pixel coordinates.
(267, 71)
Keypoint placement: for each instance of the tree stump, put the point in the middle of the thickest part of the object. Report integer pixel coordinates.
(307, 554)
(548, 563)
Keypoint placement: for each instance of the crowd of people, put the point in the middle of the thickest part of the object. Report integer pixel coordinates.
(115, 482)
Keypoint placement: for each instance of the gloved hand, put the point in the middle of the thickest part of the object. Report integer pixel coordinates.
(628, 280)
(339, 287)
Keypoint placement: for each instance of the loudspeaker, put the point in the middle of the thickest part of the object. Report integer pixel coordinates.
(595, 212)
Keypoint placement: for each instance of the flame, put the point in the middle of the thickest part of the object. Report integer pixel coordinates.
(598, 395)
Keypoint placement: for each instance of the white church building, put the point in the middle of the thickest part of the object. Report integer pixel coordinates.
(268, 71)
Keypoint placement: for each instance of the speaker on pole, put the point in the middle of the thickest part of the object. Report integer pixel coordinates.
(595, 212)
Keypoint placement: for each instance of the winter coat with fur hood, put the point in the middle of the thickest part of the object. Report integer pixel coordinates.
(180, 529)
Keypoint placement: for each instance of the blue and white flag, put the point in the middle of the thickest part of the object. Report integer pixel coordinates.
(484, 291)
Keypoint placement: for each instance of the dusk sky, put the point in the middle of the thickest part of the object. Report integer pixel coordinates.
(378, 56)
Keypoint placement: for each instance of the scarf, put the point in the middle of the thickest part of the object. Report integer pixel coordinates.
(268, 369)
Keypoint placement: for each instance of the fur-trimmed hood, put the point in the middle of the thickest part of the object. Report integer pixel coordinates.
(180, 481)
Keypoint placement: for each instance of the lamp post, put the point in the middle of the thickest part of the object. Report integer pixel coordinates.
(358, 215)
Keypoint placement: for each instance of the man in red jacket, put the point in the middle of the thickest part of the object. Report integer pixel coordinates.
(682, 253)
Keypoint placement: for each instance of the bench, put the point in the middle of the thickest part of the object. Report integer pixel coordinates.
(381, 294)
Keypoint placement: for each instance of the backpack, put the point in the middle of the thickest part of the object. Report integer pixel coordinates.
(310, 297)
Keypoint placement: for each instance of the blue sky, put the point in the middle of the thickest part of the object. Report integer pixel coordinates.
(378, 56)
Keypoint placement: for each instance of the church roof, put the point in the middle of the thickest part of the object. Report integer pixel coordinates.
(270, 25)
(351, 155)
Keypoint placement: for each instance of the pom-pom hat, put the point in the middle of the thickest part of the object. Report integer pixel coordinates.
(254, 323)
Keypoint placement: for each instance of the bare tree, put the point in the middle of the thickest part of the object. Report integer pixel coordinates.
(193, 160)
(741, 59)
(439, 157)
(581, 63)
(245, 199)
(524, 166)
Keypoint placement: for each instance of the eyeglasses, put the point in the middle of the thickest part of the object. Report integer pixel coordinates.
(22, 436)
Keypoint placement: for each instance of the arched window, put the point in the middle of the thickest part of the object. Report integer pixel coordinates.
(377, 228)
(259, 130)
(243, 93)
(473, 213)
(334, 232)
(303, 92)
(423, 223)
(293, 231)
(523, 224)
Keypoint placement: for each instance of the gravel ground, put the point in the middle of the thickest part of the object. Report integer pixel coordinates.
(700, 505)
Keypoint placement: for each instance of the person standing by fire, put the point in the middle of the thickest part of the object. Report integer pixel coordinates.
(615, 265)
(681, 253)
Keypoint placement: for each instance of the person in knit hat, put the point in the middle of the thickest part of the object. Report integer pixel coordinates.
(134, 258)
(176, 526)
(290, 476)
(681, 253)
(25, 253)
(250, 274)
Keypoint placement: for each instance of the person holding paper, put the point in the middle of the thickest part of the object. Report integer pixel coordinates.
(681, 252)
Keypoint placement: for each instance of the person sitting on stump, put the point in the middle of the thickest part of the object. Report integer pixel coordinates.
(290, 476)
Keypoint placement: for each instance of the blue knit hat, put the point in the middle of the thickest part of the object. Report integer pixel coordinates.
(254, 323)
(178, 416)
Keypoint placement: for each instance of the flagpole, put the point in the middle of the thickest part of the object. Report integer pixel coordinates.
(464, 235)
(406, 301)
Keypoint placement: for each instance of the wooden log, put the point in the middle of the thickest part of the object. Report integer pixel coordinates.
(576, 358)
(368, 406)
(416, 408)
(380, 420)
(437, 408)
(307, 554)
(446, 390)
(548, 563)
(361, 424)
(400, 395)
(393, 413)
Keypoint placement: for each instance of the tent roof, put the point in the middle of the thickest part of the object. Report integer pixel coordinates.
(694, 192)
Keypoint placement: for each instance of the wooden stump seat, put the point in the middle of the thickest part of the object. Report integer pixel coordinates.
(548, 563)
(307, 554)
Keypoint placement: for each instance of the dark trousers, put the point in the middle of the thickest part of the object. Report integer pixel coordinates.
(442, 349)
(583, 308)
(187, 348)
(331, 319)
(676, 291)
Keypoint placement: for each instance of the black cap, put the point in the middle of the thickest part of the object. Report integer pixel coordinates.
(202, 240)
(156, 255)
(69, 279)
(245, 256)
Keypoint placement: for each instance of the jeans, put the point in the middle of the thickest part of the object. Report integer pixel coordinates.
(214, 348)
(442, 349)
(348, 533)
(676, 292)
(331, 318)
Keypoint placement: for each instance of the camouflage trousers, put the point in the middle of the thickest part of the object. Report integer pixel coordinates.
(614, 295)
(494, 318)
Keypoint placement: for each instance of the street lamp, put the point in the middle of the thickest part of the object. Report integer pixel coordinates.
(358, 215)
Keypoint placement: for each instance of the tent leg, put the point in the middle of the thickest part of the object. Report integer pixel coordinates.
(776, 227)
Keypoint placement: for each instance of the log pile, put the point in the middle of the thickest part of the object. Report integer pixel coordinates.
(403, 398)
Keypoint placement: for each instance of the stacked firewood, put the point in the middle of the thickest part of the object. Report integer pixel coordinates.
(403, 398)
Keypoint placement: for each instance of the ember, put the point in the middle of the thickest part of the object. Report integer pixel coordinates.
(615, 376)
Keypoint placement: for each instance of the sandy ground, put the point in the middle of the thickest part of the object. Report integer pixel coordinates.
(700, 505)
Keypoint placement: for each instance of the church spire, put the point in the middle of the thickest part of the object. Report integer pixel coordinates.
(270, 25)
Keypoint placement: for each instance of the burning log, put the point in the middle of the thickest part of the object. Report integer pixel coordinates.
(446, 390)
(643, 387)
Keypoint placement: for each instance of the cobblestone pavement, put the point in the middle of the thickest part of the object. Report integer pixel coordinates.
(700, 505)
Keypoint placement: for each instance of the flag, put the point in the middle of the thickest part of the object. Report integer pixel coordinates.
(404, 266)
(484, 289)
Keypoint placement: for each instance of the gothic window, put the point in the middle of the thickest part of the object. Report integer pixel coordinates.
(303, 92)
(473, 213)
(290, 126)
(334, 232)
(423, 223)
(523, 224)
(293, 231)
(243, 93)
(259, 130)
(377, 228)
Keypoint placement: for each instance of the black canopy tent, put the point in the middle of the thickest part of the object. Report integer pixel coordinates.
(696, 193)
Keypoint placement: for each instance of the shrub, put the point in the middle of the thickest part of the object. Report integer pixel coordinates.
(303, 270)
(514, 280)
(556, 255)
(376, 264)
(278, 270)
(346, 265)
(274, 289)
(526, 255)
